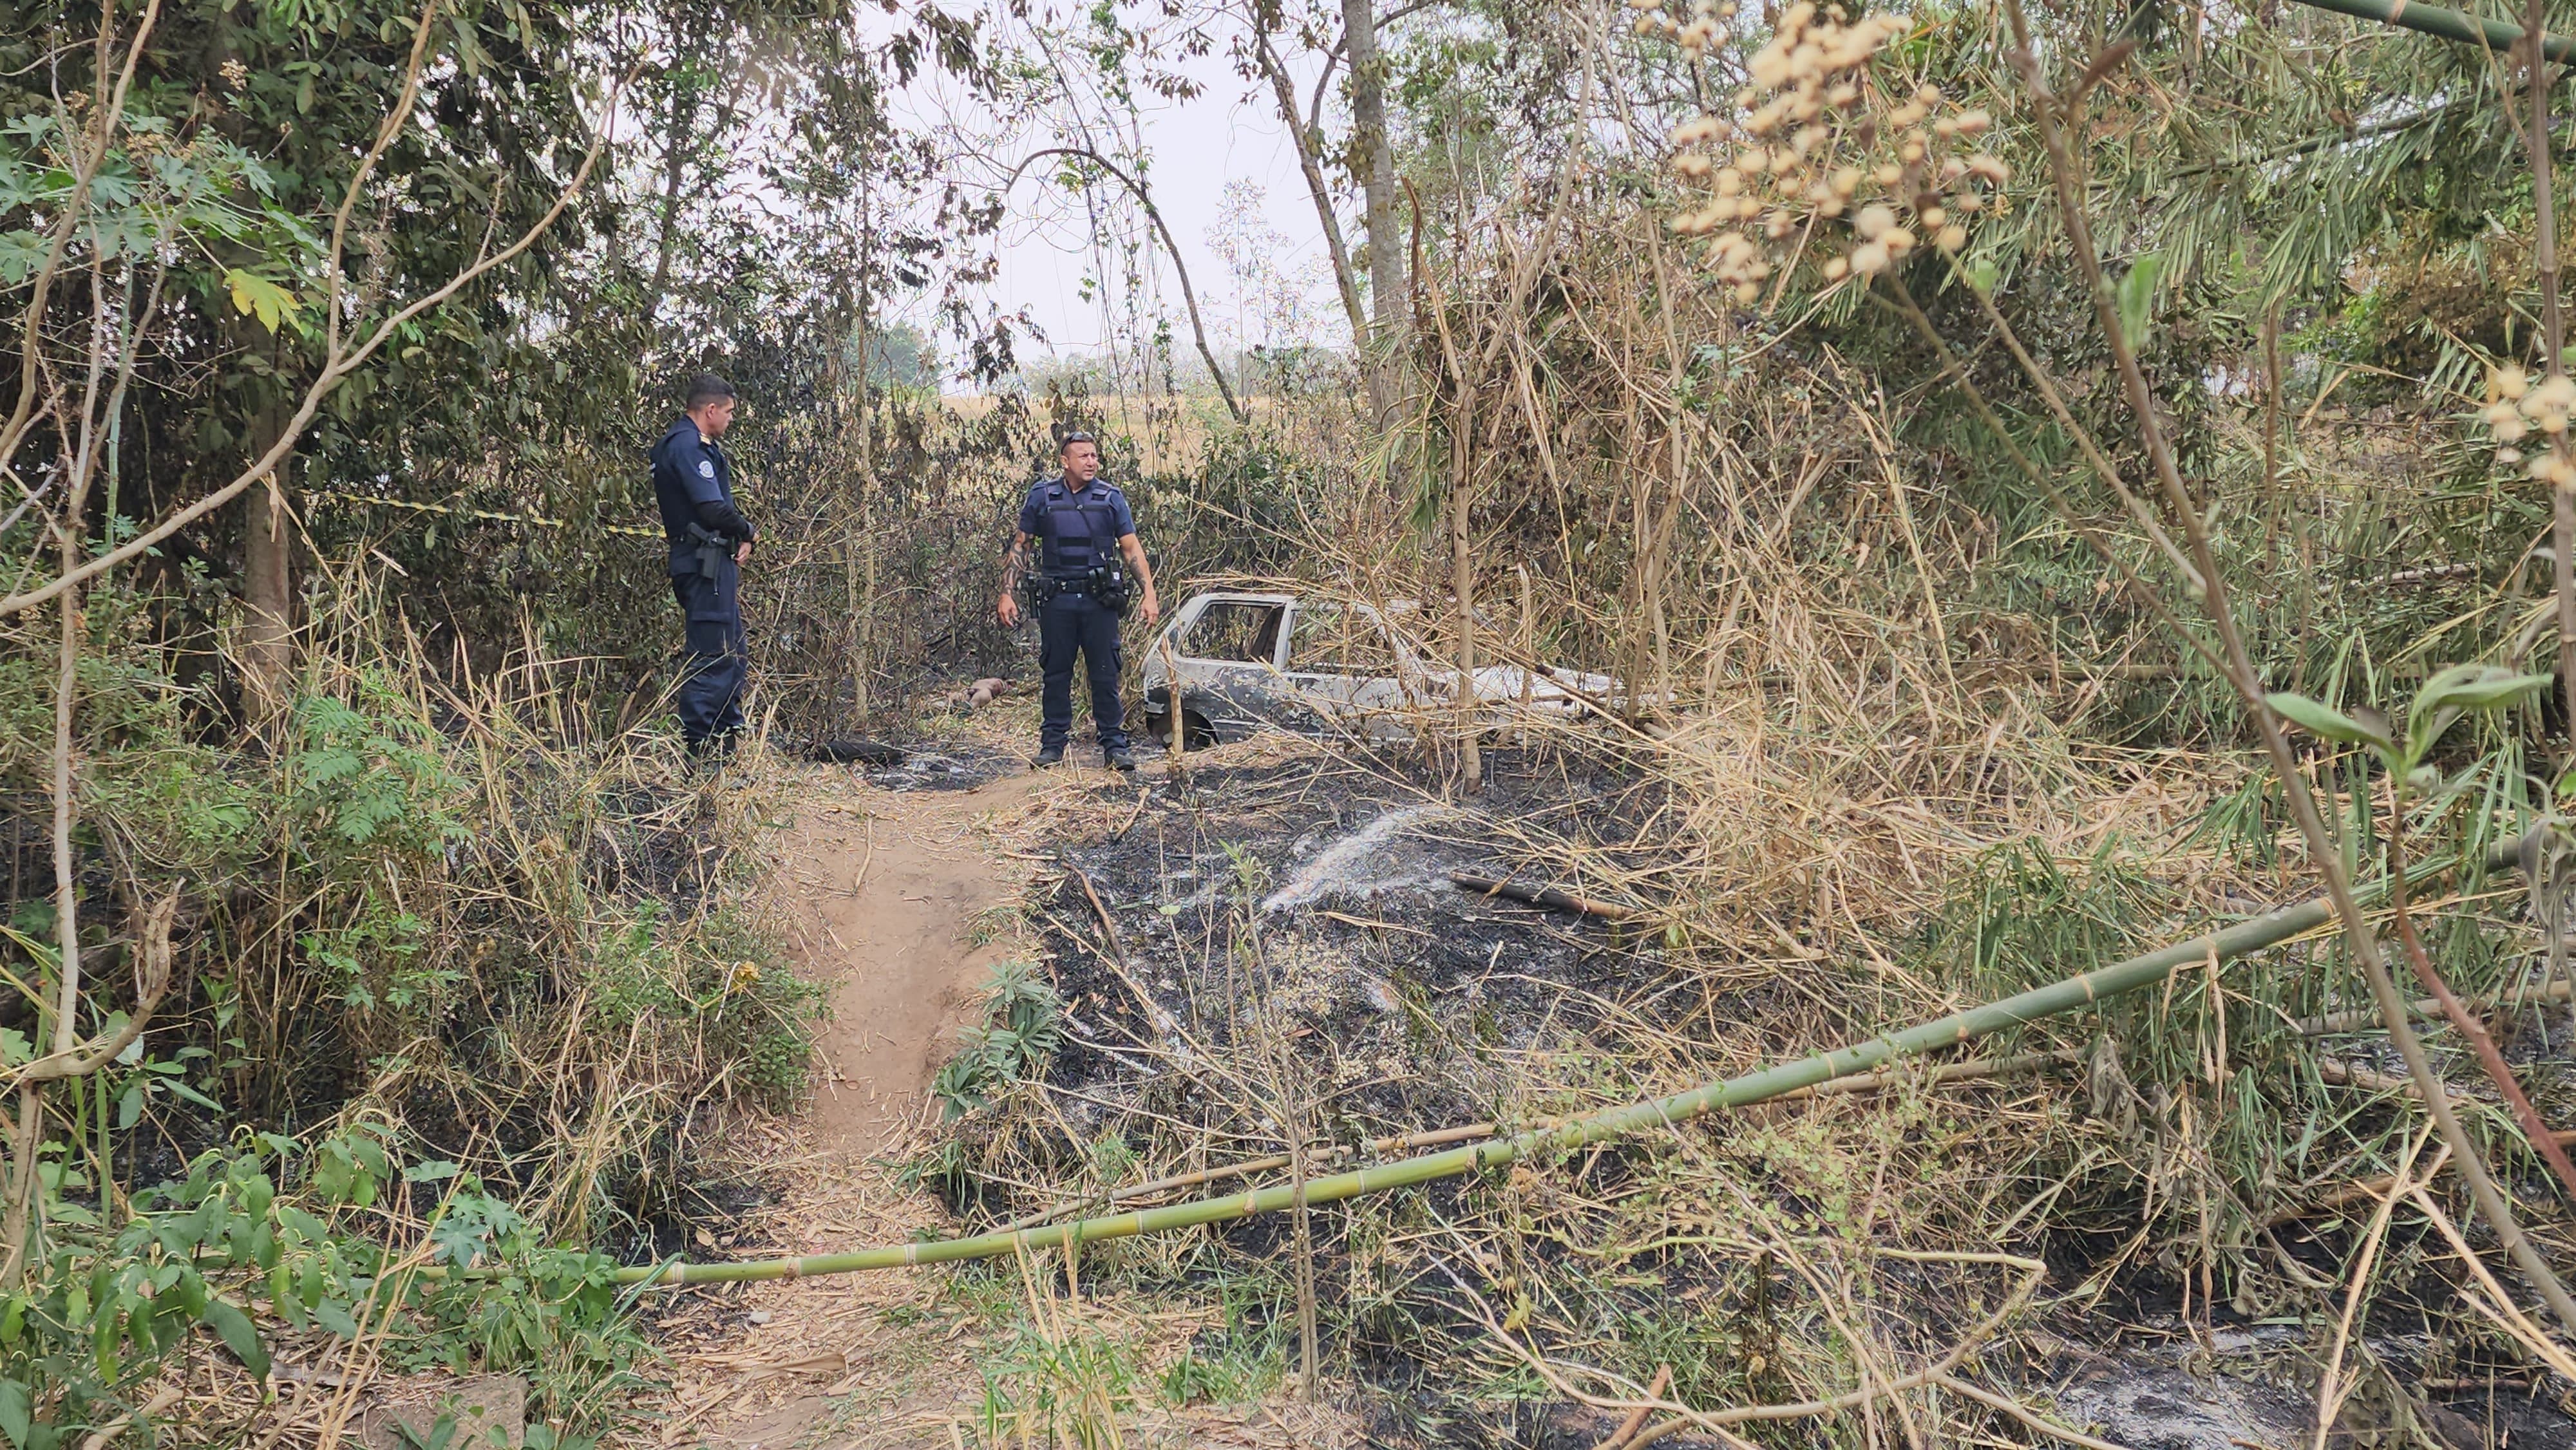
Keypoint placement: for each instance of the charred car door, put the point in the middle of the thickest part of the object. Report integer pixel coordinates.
(1349, 667)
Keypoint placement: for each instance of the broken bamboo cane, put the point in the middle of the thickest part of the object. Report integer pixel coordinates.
(2069, 995)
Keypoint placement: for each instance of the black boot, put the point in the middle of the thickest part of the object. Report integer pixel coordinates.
(1117, 758)
(1048, 755)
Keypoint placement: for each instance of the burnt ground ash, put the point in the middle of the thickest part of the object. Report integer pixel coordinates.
(1312, 898)
(1292, 917)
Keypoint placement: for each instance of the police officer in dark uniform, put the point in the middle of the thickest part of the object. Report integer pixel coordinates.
(1090, 562)
(710, 541)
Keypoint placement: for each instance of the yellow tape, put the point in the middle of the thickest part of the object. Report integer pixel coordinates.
(483, 514)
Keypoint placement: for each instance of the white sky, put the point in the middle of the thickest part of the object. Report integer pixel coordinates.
(1230, 133)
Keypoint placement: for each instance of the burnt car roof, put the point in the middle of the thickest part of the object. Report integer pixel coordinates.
(1239, 596)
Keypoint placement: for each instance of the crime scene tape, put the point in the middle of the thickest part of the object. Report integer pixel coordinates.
(487, 515)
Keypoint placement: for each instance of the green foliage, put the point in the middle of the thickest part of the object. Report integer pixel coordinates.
(2021, 917)
(2137, 296)
(1024, 1023)
(357, 775)
(274, 1231)
(2442, 702)
(1070, 1387)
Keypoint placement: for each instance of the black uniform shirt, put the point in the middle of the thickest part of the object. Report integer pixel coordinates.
(693, 483)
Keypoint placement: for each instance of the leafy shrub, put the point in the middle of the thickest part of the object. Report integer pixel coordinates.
(105, 1308)
(1023, 1024)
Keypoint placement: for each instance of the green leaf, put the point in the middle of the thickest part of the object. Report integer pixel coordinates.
(129, 1106)
(256, 295)
(17, 1412)
(2323, 720)
(2138, 294)
(2474, 687)
(434, 1171)
(1983, 274)
(334, 1316)
(238, 1334)
(257, 1194)
(180, 1089)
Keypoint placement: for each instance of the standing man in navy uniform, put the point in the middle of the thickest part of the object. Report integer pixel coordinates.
(710, 541)
(1084, 530)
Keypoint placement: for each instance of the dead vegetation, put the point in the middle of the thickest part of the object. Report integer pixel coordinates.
(1960, 587)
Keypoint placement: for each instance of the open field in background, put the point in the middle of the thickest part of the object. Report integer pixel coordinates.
(1168, 434)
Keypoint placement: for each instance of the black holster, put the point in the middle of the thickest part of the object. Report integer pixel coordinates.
(711, 551)
(1107, 586)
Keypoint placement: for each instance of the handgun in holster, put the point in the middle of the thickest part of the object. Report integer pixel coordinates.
(711, 552)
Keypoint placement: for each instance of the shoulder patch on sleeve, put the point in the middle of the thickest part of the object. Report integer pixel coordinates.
(706, 468)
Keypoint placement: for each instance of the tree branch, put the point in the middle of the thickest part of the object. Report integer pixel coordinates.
(1189, 295)
(336, 369)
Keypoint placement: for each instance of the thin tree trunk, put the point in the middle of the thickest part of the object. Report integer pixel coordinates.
(1373, 157)
(863, 625)
(675, 162)
(1154, 214)
(268, 586)
(1462, 581)
(1344, 278)
(17, 1221)
(1462, 564)
(2553, 333)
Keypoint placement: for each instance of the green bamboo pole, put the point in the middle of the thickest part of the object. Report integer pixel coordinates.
(2496, 35)
(2057, 998)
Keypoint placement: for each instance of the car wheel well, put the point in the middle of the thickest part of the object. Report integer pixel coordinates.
(1196, 730)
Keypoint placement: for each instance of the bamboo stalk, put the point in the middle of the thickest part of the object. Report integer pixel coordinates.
(2362, 1018)
(2448, 24)
(2072, 994)
(1864, 1083)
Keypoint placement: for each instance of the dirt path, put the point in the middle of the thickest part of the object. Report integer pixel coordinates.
(903, 902)
(888, 898)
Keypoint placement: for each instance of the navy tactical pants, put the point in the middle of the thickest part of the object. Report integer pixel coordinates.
(718, 659)
(1066, 623)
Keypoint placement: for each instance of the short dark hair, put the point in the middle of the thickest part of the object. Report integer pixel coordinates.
(706, 388)
(1074, 436)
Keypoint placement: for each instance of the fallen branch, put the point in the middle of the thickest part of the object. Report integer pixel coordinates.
(2361, 1018)
(1857, 1084)
(1547, 896)
(1860, 1083)
(1378, 1147)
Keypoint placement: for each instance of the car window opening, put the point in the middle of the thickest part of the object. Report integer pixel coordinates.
(1237, 632)
(1335, 641)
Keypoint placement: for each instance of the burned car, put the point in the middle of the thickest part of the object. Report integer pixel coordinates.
(1313, 664)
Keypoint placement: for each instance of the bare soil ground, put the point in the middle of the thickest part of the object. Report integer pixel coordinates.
(898, 903)
(901, 899)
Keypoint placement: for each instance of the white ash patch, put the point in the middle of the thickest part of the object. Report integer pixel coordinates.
(1377, 859)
